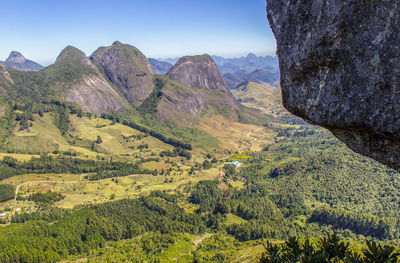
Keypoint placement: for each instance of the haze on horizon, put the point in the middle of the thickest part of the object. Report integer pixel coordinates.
(160, 29)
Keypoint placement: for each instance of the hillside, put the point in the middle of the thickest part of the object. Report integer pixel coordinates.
(73, 78)
(5, 79)
(128, 69)
(157, 201)
(201, 72)
(264, 97)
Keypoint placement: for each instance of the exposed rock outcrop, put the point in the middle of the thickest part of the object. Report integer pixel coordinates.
(201, 72)
(5, 79)
(181, 104)
(128, 69)
(89, 89)
(339, 63)
(17, 61)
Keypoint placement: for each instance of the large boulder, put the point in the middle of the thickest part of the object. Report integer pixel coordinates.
(340, 68)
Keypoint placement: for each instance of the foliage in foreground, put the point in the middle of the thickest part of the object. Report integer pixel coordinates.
(327, 249)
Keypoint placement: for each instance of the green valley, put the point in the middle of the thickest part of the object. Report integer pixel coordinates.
(187, 171)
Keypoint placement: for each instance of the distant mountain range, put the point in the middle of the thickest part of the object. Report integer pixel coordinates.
(120, 78)
(161, 67)
(236, 71)
(17, 61)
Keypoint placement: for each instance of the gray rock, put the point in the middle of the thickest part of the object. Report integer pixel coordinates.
(5, 79)
(16, 57)
(201, 72)
(339, 63)
(128, 69)
(91, 90)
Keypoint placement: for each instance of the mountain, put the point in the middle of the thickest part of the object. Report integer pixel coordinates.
(161, 67)
(73, 78)
(171, 61)
(260, 76)
(237, 71)
(247, 64)
(202, 72)
(17, 61)
(92, 91)
(264, 97)
(128, 69)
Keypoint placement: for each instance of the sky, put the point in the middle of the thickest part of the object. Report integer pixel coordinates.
(40, 29)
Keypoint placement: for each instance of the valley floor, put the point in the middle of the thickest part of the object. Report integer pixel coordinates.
(106, 192)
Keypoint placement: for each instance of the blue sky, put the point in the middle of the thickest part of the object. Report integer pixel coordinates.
(40, 29)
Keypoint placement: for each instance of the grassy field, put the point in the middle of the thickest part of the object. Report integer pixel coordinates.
(44, 136)
(19, 157)
(119, 142)
(235, 136)
(78, 191)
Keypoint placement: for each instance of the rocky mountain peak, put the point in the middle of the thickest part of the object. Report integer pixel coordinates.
(128, 69)
(15, 57)
(198, 72)
(17, 61)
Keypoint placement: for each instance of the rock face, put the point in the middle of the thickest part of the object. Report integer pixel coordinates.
(5, 79)
(17, 61)
(90, 90)
(16, 57)
(128, 69)
(201, 72)
(339, 62)
(180, 104)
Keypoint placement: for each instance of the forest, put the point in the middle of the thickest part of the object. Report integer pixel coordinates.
(305, 197)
